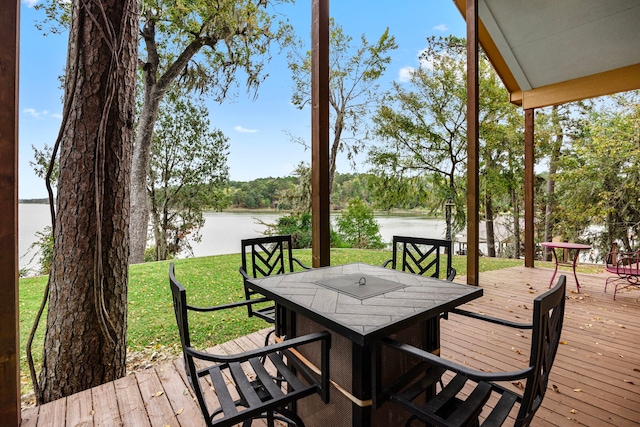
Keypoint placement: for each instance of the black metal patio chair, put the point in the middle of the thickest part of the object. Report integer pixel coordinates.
(421, 256)
(242, 395)
(261, 257)
(419, 393)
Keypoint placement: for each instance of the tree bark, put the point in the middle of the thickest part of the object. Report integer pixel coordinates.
(85, 342)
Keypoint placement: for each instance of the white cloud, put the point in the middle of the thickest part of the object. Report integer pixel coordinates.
(33, 113)
(245, 130)
(30, 3)
(441, 27)
(405, 74)
(41, 114)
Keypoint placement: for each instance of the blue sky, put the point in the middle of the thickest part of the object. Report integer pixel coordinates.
(257, 129)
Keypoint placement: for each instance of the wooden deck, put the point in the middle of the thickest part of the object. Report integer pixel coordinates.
(595, 380)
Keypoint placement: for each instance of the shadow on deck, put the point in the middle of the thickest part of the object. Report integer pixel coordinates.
(595, 380)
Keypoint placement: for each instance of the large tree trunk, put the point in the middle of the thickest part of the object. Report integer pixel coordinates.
(551, 183)
(155, 87)
(85, 342)
(139, 169)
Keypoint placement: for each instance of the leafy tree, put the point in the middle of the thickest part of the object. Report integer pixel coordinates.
(502, 139)
(554, 132)
(85, 340)
(298, 225)
(298, 197)
(358, 228)
(598, 177)
(423, 132)
(353, 88)
(186, 175)
(202, 45)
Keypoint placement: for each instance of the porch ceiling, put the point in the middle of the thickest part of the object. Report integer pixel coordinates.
(550, 52)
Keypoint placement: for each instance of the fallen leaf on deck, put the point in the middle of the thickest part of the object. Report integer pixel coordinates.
(622, 326)
(573, 411)
(179, 411)
(555, 388)
(563, 342)
(159, 393)
(519, 385)
(577, 390)
(628, 382)
(636, 369)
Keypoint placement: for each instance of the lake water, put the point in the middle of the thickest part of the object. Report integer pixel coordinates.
(223, 231)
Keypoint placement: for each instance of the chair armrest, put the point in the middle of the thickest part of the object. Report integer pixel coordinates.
(263, 351)
(384, 264)
(490, 319)
(243, 273)
(451, 275)
(227, 306)
(301, 264)
(454, 367)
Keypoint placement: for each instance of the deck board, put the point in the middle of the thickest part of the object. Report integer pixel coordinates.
(155, 399)
(80, 409)
(595, 380)
(130, 402)
(105, 405)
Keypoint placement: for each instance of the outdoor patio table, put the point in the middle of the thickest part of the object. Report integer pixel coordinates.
(359, 303)
(569, 246)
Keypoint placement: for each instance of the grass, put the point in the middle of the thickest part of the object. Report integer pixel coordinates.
(209, 281)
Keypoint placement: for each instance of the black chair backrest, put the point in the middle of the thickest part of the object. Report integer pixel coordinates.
(266, 256)
(548, 316)
(421, 255)
(180, 307)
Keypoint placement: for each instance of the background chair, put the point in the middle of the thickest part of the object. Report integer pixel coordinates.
(265, 256)
(445, 406)
(421, 256)
(626, 268)
(242, 394)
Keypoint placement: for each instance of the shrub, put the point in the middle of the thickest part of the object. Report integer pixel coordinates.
(358, 228)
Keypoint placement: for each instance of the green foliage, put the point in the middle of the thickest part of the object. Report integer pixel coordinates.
(297, 198)
(353, 89)
(298, 225)
(358, 228)
(599, 173)
(422, 128)
(187, 173)
(217, 39)
(44, 250)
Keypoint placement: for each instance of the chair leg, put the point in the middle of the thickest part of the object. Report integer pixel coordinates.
(266, 339)
(289, 417)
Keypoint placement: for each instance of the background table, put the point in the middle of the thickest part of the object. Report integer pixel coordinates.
(402, 305)
(568, 246)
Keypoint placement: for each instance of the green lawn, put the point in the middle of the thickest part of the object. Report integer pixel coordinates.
(209, 281)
